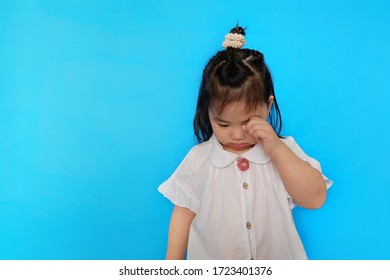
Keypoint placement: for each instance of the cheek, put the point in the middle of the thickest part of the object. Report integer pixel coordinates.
(214, 126)
(218, 131)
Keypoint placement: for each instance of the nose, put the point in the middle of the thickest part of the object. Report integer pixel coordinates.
(238, 134)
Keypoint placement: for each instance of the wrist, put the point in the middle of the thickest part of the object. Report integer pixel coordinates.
(276, 149)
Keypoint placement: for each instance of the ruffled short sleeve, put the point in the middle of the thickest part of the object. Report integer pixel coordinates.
(290, 142)
(179, 188)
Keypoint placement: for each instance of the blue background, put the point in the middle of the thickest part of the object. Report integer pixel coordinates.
(96, 106)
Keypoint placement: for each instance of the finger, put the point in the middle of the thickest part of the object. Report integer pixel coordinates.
(263, 133)
(257, 126)
(257, 123)
(254, 120)
(260, 134)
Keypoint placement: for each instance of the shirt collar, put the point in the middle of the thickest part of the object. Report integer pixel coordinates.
(221, 158)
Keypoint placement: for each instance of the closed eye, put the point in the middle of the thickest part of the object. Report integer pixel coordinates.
(223, 125)
(246, 122)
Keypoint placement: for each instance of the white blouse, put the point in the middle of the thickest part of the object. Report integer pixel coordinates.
(239, 214)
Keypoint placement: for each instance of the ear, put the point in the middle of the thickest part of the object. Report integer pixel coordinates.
(270, 102)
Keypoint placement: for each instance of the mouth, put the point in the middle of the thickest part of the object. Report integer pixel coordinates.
(239, 146)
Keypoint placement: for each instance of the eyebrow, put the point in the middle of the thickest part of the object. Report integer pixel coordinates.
(219, 120)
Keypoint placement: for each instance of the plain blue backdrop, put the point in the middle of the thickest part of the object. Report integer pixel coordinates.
(96, 106)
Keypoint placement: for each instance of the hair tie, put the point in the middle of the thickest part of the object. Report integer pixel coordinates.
(234, 40)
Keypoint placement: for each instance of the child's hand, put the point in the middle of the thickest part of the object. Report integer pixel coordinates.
(263, 133)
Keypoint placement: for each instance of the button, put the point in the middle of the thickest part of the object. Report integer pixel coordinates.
(245, 186)
(248, 225)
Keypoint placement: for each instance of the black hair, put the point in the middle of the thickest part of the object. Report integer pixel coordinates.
(234, 75)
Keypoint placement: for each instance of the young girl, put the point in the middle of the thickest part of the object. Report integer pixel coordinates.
(233, 192)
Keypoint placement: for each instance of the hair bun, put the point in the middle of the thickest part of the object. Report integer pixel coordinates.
(235, 39)
(238, 30)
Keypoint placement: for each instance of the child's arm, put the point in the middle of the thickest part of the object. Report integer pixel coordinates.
(179, 229)
(303, 182)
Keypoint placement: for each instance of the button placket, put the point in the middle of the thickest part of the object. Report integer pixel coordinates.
(247, 204)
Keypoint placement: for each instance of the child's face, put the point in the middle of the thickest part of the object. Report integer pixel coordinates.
(227, 126)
